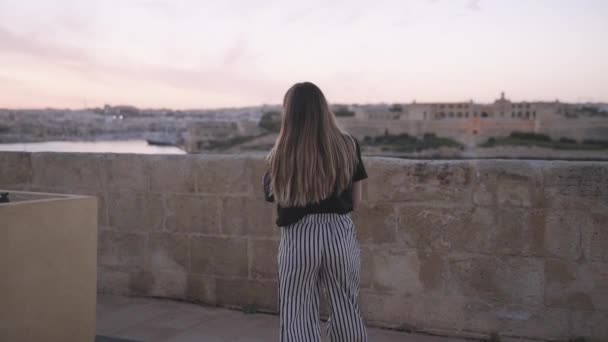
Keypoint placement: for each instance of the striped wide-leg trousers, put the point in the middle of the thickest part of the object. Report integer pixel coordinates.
(320, 254)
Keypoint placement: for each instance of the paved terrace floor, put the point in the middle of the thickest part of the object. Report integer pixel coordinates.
(122, 319)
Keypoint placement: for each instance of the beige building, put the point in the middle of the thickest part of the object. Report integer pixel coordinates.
(467, 121)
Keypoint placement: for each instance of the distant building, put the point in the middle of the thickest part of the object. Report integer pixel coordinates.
(466, 121)
(123, 110)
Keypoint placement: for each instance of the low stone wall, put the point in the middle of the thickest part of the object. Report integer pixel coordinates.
(451, 247)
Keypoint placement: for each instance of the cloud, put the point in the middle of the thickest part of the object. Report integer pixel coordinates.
(220, 80)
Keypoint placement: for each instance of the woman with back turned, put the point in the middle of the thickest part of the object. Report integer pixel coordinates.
(315, 173)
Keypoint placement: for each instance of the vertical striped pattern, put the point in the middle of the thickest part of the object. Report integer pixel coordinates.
(320, 253)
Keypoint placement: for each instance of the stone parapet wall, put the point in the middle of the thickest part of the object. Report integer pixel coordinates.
(452, 247)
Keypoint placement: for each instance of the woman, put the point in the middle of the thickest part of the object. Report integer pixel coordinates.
(315, 173)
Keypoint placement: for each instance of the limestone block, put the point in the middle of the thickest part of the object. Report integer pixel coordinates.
(452, 228)
(563, 233)
(15, 168)
(157, 283)
(192, 214)
(580, 185)
(135, 211)
(575, 285)
(224, 174)
(113, 280)
(590, 324)
(248, 216)
(239, 292)
(595, 238)
(168, 251)
(264, 259)
(67, 170)
(172, 173)
(507, 183)
(519, 231)
(126, 171)
(258, 167)
(376, 223)
(415, 181)
(121, 248)
(218, 256)
(201, 288)
(406, 272)
(504, 279)
(366, 271)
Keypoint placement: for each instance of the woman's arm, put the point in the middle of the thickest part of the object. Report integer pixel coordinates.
(357, 189)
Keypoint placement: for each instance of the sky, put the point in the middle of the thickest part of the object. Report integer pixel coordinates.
(233, 53)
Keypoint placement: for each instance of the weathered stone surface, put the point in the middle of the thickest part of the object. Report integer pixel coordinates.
(509, 183)
(577, 286)
(121, 249)
(239, 292)
(248, 216)
(366, 271)
(219, 256)
(168, 252)
(224, 175)
(589, 324)
(15, 168)
(436, 228)
(407, 272)
(192, 214)
(513, 280)
(172, 173)
(518, 232)
(580, 185)
(376, 224)
(408, 181)
(112, 280)
(595, 238)
(201, 288)
(258, 168)
(67, 170)
(563, 233)
(264, 258)
(126, 171)
(135, 211)
(157, 283)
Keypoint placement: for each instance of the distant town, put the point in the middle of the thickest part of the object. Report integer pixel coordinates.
(503, 128)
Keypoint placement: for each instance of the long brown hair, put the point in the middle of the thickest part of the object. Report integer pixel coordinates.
(311, 158)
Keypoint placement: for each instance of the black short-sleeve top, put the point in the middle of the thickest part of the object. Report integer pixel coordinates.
(341, 203)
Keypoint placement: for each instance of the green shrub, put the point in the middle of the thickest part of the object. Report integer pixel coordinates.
(530, 136)
(565, 140)
(489, 143)
(600, 143)
(406, 143)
